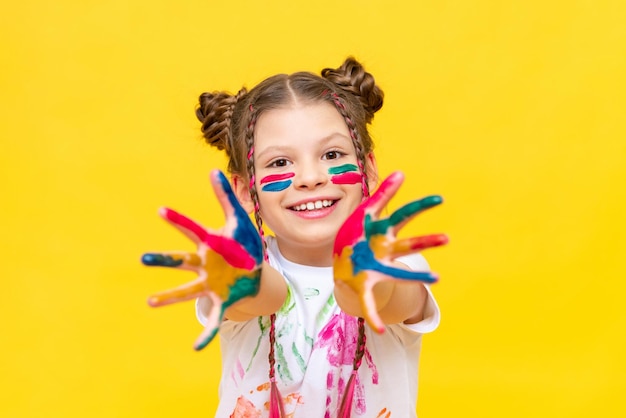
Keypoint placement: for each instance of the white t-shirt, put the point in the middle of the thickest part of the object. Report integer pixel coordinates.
(315, 345)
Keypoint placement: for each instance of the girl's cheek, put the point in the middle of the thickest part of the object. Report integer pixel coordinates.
(276, 182)
(345, 174)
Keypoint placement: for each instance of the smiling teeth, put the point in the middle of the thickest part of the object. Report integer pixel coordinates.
(318, 204)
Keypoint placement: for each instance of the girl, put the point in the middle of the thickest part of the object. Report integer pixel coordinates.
(301, 160)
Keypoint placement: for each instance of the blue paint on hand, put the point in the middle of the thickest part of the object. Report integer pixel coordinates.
(151, 259)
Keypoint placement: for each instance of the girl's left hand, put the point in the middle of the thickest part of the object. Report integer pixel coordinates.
(227, 261)
(366, 246)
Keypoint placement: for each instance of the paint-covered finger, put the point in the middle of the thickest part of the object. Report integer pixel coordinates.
(387, 189)
(231, 251)
(402, 274)
(407, 212)
(190, 228)
(185, 292)
(182, 260)
(237, 222)
(413, 208)
(224, 193)
(214, 319)
(353, 228)
(350, 231)
(416, 244)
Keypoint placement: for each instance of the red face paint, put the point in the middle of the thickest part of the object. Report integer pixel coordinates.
(345, 174)
(346, 178)
(276, 182)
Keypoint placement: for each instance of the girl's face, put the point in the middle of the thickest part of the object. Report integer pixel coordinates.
(307, 178)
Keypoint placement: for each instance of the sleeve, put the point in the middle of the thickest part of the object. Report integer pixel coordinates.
(431, 320)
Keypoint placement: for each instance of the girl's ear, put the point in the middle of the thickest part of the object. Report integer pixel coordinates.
(242, 191)
(371, 168)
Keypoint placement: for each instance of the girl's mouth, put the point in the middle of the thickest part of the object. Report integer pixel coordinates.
(314, 205)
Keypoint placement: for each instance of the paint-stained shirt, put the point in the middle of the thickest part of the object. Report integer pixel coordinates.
(314, 351)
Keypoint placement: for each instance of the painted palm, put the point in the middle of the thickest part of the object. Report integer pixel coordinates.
(227, 261)
(367, 244)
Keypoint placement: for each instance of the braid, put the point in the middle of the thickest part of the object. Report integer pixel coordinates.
(251, 174)
(360, 346)
(272, 356)
(277, 409)
(259, 221)
(356, 141)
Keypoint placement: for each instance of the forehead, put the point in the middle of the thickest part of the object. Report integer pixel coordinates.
(299, 124)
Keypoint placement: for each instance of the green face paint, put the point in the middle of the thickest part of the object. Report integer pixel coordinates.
(343, 169)
(345, 174)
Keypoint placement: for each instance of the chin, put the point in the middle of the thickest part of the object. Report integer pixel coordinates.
(314, 241)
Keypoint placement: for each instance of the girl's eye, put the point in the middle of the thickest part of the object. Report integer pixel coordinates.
(332, 155)
(282, 162)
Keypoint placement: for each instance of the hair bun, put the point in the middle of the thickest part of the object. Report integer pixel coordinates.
(352, 78)
(215, 111)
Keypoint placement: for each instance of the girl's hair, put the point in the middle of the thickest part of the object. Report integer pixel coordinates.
(228, 120)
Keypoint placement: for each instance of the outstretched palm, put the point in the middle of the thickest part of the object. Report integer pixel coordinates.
(366, 246)
(227, 261)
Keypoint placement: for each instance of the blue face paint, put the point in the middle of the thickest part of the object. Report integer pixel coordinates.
(276, 182)
(276, 186)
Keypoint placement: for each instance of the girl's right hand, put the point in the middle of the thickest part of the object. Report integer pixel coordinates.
(227, 261)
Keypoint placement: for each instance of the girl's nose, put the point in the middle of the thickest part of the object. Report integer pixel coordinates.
(310, 176)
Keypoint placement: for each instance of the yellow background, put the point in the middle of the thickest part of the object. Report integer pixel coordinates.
(512, 110)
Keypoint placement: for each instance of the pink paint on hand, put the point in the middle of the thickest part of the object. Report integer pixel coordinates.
(232, 251)
(353, 228)
(194, 231)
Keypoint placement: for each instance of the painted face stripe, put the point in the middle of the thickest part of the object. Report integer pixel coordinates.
(276, 177)
(276, 182)
(276, 186)
(345, 174)
(346, 178)
(343, 169)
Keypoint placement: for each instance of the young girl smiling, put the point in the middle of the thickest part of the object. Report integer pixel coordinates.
(291, 307)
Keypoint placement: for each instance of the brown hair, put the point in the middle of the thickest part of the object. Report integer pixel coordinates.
(228, 120)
